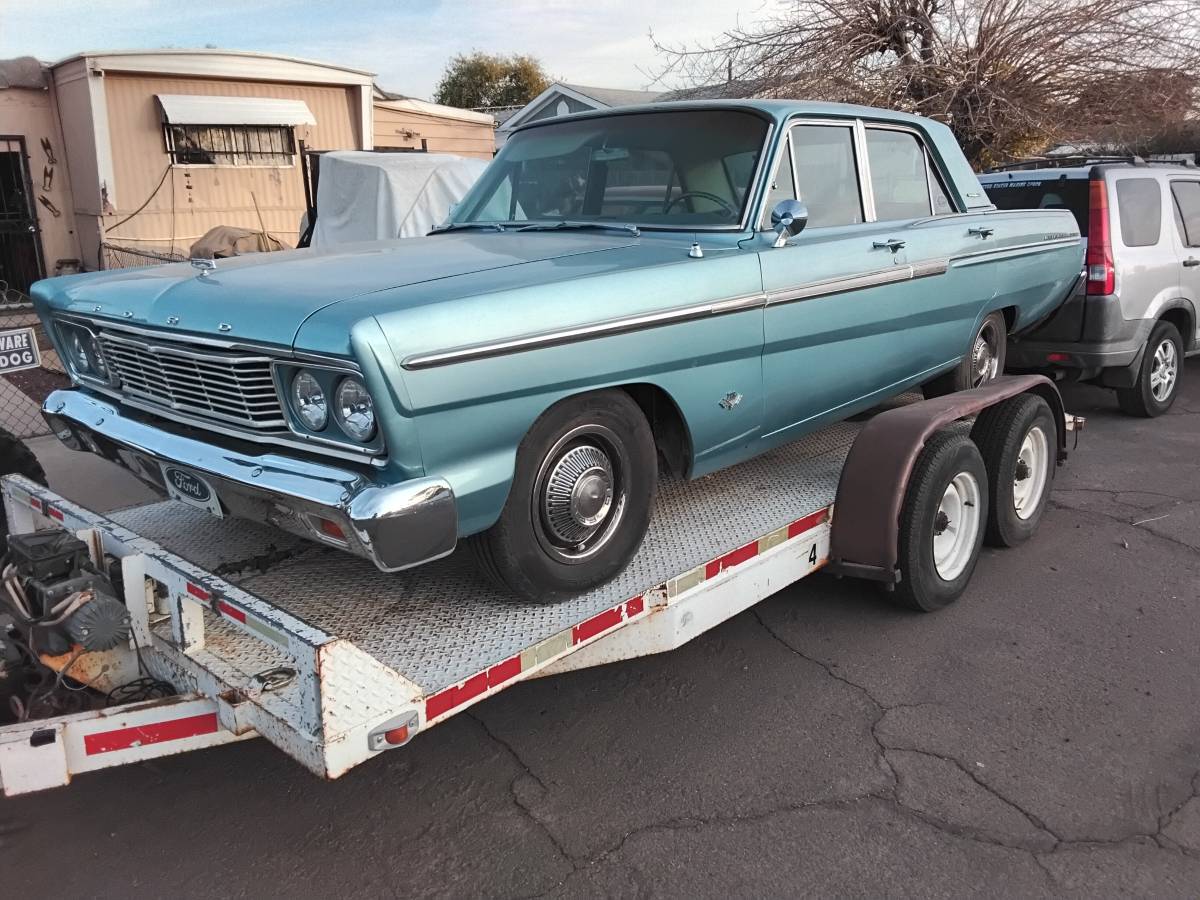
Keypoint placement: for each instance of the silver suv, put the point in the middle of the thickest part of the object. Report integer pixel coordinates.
(1133, 316)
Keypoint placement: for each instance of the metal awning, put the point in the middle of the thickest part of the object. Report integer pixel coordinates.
(193, 109)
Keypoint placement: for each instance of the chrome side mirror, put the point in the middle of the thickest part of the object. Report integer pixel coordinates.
(789, 218)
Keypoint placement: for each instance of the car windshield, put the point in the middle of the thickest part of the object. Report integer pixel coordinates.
(1042, 193)
(671, 169)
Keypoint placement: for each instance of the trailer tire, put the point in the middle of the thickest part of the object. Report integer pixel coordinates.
(941, 522)
(16, 459)
(1017, 439)
(557, 535)
(982, 364)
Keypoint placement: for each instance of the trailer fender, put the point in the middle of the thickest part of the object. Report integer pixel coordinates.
(875, 477)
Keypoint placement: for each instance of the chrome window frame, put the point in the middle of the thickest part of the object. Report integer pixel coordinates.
(865, 197)
(932, 170)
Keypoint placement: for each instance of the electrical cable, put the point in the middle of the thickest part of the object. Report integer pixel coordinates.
(153, 193)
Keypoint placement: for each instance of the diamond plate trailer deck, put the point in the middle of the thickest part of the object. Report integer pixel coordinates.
(265, 634)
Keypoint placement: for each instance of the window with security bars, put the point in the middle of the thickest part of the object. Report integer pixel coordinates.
(230, 145)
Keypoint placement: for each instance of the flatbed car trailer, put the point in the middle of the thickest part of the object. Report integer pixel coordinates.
(263, 634)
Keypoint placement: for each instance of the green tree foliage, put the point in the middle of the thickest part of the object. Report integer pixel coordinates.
(486, 79)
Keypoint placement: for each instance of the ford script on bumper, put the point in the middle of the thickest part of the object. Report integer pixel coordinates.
(190, 488)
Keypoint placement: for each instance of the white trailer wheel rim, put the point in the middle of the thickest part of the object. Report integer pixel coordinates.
(956, 526)
(1029, 477)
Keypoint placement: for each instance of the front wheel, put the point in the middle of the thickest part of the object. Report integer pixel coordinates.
(580, 500)
(941, 523)
(982, 364)
(1159, 375)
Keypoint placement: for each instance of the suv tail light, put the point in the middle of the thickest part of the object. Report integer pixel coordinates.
(1101, 277)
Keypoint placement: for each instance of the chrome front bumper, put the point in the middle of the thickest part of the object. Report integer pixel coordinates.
(395, 526)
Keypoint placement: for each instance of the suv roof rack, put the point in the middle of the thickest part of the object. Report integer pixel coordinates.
(1080, 161)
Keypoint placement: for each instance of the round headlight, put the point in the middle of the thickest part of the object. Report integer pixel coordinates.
(308, 399)
(77, 348)
(354, 410)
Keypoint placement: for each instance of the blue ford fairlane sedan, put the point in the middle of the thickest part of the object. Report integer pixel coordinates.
(663, 289)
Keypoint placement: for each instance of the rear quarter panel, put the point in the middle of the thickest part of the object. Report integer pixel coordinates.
(1036, 256)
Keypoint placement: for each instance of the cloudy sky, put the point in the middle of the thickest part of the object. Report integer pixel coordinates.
(406, 42)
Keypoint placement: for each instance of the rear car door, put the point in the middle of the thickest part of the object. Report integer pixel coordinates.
(857, 307)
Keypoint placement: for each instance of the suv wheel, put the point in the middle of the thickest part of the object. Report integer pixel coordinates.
(982, 364)
(1158, 377)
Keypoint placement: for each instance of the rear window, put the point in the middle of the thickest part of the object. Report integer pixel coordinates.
(1048, 193)
(1139, 205)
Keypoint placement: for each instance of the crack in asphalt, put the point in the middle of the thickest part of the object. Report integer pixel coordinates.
(516, 798)
(1054, 504)
(1038, 854)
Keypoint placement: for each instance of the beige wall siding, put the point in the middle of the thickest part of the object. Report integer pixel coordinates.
(193, 199)
(401, 128)
(29, 114)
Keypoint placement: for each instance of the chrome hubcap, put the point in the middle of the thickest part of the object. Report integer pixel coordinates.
(956, 526)
(579, 494)
(1164, 370)
(985, 360)
(1029, 479)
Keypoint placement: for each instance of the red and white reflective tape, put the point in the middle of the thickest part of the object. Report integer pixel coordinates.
(228, 610)
(150, 733)
(496, 676)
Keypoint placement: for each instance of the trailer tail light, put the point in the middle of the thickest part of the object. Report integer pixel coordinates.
(1101, 277)
(395, 732)
(1058, 357)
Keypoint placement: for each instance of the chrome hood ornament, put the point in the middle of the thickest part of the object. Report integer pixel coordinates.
(204, 266)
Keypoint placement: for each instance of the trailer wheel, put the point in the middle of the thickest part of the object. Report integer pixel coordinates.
(16, 459)
(1017, 441)
(941, 522)
(580, 500)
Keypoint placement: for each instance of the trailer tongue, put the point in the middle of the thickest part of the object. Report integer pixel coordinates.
(260, 633)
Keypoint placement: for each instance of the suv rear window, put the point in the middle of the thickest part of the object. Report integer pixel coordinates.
(1139, 204)
(1043, 193)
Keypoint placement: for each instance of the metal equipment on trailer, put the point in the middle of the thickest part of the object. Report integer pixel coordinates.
(258, 633)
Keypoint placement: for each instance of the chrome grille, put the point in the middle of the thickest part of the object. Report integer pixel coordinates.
(226, 387)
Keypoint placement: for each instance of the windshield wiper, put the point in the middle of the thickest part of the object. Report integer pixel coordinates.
(465, 226)
(554, 226)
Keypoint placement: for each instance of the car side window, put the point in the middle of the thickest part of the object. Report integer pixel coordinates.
(1187, 210)
(1139, 206)
(827, 174)
(899, 175)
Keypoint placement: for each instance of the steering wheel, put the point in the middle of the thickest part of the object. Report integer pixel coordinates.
(704, 195)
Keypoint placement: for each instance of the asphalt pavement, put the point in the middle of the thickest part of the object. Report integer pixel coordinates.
(1040, 738)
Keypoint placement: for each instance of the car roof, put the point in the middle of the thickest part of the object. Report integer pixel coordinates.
(777, 110)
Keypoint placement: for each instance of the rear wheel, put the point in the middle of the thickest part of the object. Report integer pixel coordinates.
(941, 523)
(580, 500)
(1018, 442)
(983, 363)
(1159, 375)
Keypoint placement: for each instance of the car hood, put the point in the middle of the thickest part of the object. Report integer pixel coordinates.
(266, 297)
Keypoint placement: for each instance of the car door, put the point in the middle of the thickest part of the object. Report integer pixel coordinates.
(1185, 194)
(853, 312)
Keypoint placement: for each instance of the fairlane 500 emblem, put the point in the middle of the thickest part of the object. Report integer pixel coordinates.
(188, 484)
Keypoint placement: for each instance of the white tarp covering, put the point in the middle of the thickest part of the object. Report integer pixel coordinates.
(364, 196)
(194, 109)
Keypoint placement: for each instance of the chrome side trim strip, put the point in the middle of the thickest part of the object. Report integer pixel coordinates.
(621, 325)
(1017, 249)
(842, 285)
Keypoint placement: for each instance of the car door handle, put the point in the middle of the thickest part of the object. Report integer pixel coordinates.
(983, 232)
(1191, 261)
(890, 244)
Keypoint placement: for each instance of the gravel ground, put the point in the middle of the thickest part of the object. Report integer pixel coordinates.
(1039, 738)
